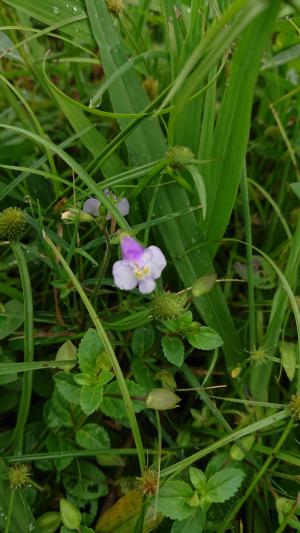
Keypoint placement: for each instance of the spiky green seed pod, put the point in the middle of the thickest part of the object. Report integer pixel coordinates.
(115, 7)
(19, 476)
(12, 223)
(294, 405)
(259, 356)
(168, 305)
(179, 156)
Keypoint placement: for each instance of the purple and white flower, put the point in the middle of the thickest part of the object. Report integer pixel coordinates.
(91, 205)
(140, 266)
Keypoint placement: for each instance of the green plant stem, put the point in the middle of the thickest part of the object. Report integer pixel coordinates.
(9, 511)
(248, 239)
(112, 356)
(159, 445)
(257, 477)
(223, 441)
(24, 406)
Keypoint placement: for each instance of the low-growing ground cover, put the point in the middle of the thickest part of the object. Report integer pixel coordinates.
(150, 245)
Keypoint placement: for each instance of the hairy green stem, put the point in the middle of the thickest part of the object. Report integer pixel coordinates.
(109, 349)
(24, 406)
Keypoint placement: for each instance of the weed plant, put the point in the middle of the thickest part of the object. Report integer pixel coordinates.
(150, 247)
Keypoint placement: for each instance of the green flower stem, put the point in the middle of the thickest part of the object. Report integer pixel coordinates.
(23, 411)
(112, 356)
(159, 444)
(257, 477)
(9, 511)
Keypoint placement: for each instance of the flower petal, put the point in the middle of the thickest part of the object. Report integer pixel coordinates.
(147, 285)
(91, 206)
(131, 250)
(123, 206)
(123, 274)
(156, 261)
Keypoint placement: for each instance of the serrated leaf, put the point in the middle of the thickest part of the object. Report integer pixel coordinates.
(172, 500)
(204, 338)
(85, 481)
(197, 478)
(55, 443)
(288, 352)
(113, 404)
(224, 484)
(193, 524)
(142, 340)
(173, 350)
(91, 397)
(67, 387)
(92, 436)
(89, 351)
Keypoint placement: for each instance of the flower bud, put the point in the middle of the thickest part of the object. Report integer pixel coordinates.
(70, 216)
(162, 399)
(12, 223)
(151, 86)
(67, 352)
(235, 372)
(194, 501)
(168, 305)
(294, 405)
(71, 517)
(238, 453)
(115, 7)
(203, 285)
(179, 157)
(167, 379)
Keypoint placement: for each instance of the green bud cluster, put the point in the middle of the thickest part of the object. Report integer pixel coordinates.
(294, 405)
(168, 305)
(12, 223)
(115, 6)
(179, 156)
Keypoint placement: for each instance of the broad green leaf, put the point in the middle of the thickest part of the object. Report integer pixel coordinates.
(142, 340)
(85, 481)
(172, 500)
(56, 13)
(113, 404)
(12, 317)
(197, 478)
(91, 397)
(57, 412)
(89, 352)
(192, 524)
(204, 338)
(173, 350)
(288, 352)
(91, 436)
(56, 443)
(67, 388)
(224, 484)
